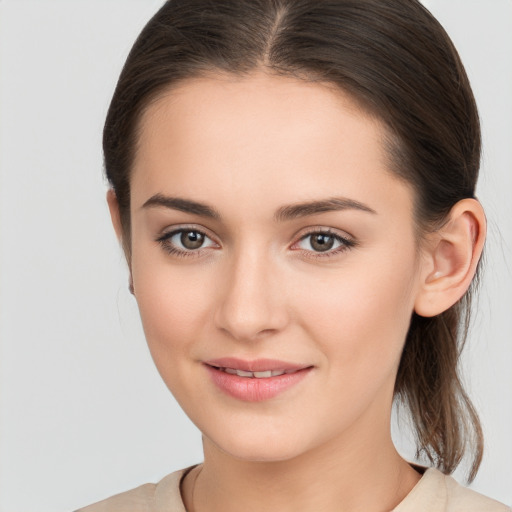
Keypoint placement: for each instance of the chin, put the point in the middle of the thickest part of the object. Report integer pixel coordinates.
(258, 445)
(255, 452)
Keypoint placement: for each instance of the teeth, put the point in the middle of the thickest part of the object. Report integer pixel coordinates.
(261, 375)
(258, 375)
(241, 373)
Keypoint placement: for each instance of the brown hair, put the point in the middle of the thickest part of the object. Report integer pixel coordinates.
(395, 60)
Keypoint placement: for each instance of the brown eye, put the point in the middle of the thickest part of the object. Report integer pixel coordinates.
(185, 242)
(192, 239)
(322, 242)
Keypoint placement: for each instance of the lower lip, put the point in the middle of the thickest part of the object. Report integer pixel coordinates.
(252, 389)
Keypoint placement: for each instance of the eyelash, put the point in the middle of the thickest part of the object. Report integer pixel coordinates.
(346, 244)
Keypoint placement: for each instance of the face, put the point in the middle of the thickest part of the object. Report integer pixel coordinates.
(268, 235)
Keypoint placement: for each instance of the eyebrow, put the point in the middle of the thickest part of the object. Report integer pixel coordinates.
(284, 213)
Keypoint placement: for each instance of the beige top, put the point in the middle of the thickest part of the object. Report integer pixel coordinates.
(435, 492)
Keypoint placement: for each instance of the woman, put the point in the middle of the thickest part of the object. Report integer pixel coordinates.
(293, 184)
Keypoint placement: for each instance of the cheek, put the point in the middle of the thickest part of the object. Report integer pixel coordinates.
(360, 317)
(173, 304)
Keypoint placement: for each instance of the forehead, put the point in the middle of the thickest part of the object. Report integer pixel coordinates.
(258, 102)
(256, 138)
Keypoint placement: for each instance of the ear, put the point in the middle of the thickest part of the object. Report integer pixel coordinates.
(115, 216)
(450, 259)
(113, 206)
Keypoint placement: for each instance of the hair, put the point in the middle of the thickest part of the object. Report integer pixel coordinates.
(396, 61)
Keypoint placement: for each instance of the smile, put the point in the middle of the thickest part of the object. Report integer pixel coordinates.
(255, 381)
(265, 374)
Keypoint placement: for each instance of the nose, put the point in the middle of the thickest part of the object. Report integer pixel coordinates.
(252, 301)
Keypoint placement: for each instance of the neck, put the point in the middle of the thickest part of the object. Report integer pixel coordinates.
(346, 474)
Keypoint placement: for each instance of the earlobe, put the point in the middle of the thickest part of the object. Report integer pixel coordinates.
(451, 260)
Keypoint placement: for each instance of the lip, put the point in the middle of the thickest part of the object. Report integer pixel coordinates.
(253, 389)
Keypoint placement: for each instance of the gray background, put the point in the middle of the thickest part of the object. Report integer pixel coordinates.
(84, 414)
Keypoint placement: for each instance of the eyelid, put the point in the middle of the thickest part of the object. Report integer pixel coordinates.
(347, 240)
(170, 230)
(326, 230)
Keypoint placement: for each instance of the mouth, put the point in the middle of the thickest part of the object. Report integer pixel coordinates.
(258, 368)
(265, 374)
(254, 381)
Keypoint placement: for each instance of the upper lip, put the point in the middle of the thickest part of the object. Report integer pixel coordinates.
(257, 365)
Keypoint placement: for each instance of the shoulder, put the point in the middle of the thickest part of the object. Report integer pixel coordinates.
(164, 495)
(139, 499)
(437, 492)
(460, 498)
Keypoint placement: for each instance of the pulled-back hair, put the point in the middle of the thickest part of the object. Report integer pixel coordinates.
(397, 62)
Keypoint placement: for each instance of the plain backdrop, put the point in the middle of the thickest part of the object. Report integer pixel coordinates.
(84, 413)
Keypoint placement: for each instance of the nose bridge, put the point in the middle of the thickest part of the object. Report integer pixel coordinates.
(249, 303)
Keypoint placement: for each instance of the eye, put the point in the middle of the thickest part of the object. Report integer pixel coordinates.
(324, 243)
(185, 242)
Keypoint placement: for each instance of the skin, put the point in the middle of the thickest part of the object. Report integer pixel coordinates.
(258, 288)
